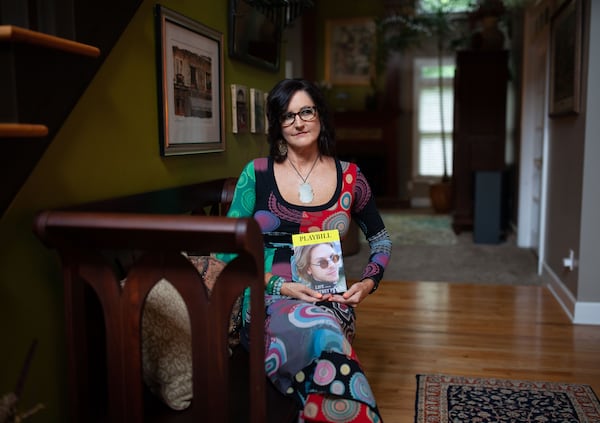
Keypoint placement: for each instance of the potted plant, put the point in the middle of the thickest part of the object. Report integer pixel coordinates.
(442, 27)
(400, 32)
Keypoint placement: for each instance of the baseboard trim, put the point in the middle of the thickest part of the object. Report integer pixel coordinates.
(559, 290)
(582, 313)
(587, 313)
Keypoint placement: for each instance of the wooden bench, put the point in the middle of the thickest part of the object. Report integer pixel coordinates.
(104, 315)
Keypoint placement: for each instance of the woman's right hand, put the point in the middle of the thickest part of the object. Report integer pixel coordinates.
(302, 292)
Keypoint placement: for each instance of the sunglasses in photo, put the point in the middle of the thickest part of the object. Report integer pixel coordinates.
(324, 262)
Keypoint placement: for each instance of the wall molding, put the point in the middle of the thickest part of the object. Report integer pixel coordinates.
(584, 313)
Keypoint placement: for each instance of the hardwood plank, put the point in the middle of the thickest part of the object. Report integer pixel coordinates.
(516, 332)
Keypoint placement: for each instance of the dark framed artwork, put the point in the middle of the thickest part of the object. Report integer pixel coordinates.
(349, 50)
(565, 59)
(254, 37)
(190, 85)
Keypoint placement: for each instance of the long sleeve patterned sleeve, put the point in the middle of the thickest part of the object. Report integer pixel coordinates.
(369, 220)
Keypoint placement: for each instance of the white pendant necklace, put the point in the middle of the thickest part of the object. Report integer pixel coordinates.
(305, 190)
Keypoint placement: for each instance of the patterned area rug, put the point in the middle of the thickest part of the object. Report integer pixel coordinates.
(442, 398)
(419, 229)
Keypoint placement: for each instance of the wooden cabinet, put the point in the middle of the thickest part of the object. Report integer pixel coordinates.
(480, 88)
(368, 138)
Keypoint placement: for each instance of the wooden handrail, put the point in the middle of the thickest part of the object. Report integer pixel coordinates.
(22, 130)
(14, 33)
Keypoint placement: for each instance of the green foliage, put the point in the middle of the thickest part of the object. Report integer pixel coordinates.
(433, 72)
(454, 6)
(441, 20)
(438, 21)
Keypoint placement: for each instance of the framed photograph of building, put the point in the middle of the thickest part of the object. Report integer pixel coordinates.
(565, 59)
(190, 85)
(349, 50)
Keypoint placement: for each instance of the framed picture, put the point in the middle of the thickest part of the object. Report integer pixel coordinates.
(190, 85)
(565, 59)
(254, 37)
(265, 116)
(239, 108)
(349, 50)
(257, 111)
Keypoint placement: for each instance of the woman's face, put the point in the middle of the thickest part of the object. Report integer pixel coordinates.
(302, 133)
(324, 264)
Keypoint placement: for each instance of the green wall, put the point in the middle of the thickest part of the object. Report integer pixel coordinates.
(107, 147)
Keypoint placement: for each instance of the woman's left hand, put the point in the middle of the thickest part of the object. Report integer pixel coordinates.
(357, 292)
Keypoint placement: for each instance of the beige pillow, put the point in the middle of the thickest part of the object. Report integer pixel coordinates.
(166, 346)
(166, 336)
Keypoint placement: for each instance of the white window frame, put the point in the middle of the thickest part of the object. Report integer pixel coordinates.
(418, 63)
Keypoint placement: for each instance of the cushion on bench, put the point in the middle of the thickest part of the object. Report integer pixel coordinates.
(166, 336)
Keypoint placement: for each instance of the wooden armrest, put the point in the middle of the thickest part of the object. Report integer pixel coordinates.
(79, 237)
(148, 232)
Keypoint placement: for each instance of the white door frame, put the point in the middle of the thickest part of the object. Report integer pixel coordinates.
(534, 124)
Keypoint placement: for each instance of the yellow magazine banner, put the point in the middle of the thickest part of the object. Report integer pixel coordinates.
(308, 238)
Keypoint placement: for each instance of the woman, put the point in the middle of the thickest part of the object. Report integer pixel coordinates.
(301, 187)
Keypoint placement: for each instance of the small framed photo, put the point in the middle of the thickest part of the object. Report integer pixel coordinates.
(349, 50)
(565, 59)
(239, 108)
(257, 111)
(190, 85)
(265, 103)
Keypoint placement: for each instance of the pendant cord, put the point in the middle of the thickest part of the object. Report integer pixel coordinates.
(309, 172)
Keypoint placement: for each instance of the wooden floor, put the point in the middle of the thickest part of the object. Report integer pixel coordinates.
(516, 332)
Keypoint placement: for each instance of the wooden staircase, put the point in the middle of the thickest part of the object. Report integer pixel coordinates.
(48, 56)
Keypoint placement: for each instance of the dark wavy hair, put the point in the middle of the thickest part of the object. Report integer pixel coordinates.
(277, 104)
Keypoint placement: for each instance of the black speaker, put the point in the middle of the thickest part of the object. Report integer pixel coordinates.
(489, 216)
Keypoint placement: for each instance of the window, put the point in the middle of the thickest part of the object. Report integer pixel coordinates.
(428, 154)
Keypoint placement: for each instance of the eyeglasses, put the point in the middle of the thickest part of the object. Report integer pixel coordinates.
(307, 114)
(324, 262)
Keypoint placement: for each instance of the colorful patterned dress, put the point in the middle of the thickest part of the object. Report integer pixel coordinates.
(308, 346)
